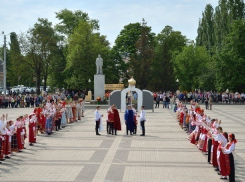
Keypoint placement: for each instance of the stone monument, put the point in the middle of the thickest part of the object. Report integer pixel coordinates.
(99, 64)
(145, 97)
(99, 80)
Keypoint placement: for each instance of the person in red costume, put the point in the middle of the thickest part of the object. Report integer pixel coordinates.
(227, 150)
(32, 128)
(117, 121)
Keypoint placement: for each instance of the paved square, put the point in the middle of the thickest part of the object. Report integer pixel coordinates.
(164, 154)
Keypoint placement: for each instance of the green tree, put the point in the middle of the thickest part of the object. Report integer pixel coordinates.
(84, 46)
(205, 29)
(38, 46)
(126, 40)
(123, 48)
(236, 10)
(190, 66)
(141, 60)
(231, 60)
(18, 71)
(56, 74)
(71, 19)
(168, 43)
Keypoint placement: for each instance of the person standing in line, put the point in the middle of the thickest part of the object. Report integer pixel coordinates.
(227, 150)
(164, 102)
(108, 122)
(111, 119)
(79, 110)
(167, 99)
(157, 100)
(142, 120)
(117, 121)
(206, 101)
(97, 120)
(82, 106)
(129, 120)
(172, 101)
(135, 120)
(210, 102)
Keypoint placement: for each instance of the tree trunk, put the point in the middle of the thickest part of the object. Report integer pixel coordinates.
(38, 82)
(45, 83)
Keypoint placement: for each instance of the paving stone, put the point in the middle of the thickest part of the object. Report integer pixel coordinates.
(76, 154)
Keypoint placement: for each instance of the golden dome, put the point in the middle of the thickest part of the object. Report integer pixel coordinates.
(132, 81)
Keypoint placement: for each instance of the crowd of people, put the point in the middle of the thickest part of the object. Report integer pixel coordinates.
(113, 121)
(51, 115)
(208, 135)
(33, 100)
(201, 97)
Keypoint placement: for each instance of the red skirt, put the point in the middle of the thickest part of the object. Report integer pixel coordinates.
(6, 145)
(43, 121)
(222, 161)
(193, 140)
(19, 142)
(204, 149)
(31, 133)
(1, 148)
(215, 163)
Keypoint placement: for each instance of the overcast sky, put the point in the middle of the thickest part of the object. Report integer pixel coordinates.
(19, 15)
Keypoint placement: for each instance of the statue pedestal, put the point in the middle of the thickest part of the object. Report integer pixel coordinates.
(99, 86)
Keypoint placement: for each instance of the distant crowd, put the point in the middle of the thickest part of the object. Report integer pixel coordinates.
(201, 97)
(34, 100)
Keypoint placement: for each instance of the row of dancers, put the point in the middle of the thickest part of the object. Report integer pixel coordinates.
(44, 120)
(209, 137)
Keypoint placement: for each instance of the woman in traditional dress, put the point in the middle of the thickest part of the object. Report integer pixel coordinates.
(82, 107)
(79, 110)
(227, 150)
(32, 129)
(69, 114)
(18, 124)
(63, 118)
(9, 133)
(74, 111)
(14, 145)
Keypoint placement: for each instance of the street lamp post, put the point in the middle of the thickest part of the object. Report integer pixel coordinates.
(177, 81)
(89, 81)
(4, 66)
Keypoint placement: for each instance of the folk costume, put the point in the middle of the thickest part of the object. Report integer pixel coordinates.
(9, 133)
(129, 118)
(109, 121)
(63, 118)
(117, 121)
(222, 140)
(79, 110)
(74, 113)
(82, 107)
(32, 129)
(69, 114)
(135, 121)
(57, 119)
(227, 150)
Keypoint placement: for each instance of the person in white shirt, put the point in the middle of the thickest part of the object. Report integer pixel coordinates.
(221, 137)
(97, 120)
(142, 120)
(227, 150)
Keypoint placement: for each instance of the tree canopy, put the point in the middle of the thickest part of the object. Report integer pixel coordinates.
(63, 55)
